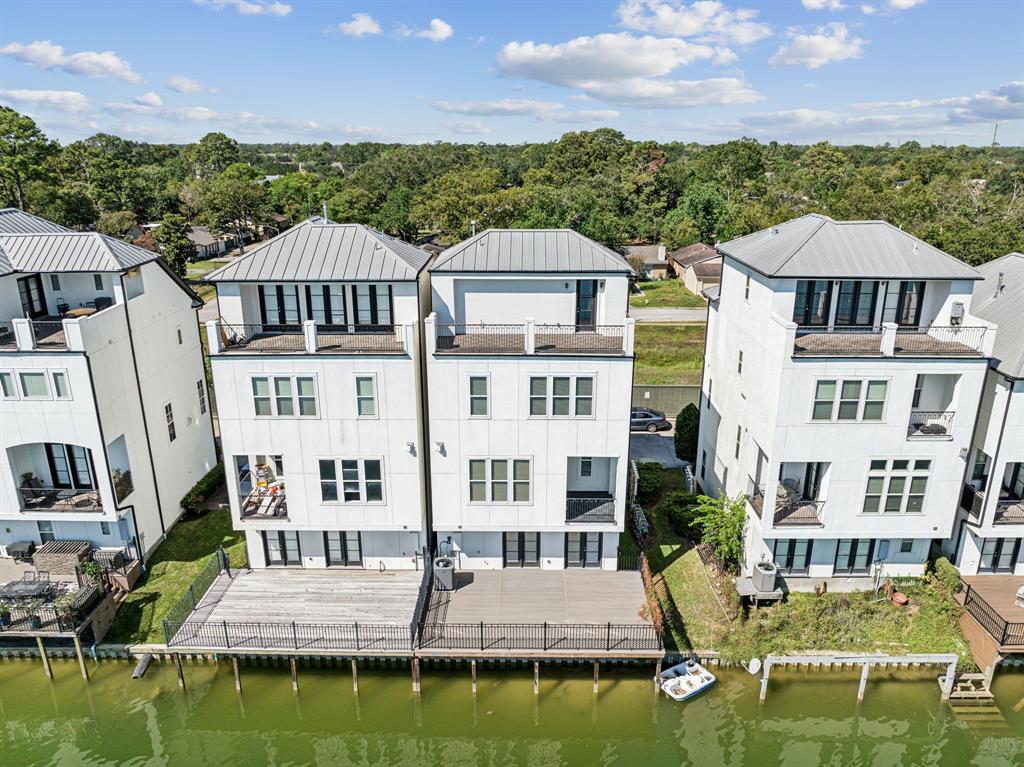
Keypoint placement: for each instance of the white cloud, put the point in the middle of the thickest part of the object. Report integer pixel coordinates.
(541, 111)
(64, 101)
(827, 44)
(823, 5)
(902, 5)
(249, 7)
(868, 10)
(437, 32)
(706, 20)
(467, 128)
(1004, 102)
(183, 84)
(360, 25)
(49, 55)
(579, 116)
(625, 69)
(149, 98)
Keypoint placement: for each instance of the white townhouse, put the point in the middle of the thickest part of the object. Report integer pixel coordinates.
(990, 527)
(529, 359)
(843, 373)
(104, 411)
(316, 366)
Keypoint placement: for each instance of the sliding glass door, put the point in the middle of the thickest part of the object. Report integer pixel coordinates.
(521, 549)
(583, 549)
(281, 548)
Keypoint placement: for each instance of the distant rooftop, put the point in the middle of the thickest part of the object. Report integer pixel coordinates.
(817, 246)
(318, 250)
(530, 250)
(693, 254)
(1005, 307)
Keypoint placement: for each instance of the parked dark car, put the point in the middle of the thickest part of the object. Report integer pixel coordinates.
(645, 419)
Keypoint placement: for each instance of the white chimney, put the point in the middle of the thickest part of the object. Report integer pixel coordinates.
(661, 252)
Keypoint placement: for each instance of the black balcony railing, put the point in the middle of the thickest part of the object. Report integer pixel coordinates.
(48, 334)
(1006, 633)
(799, 513)
(930, 423)
(59, 499)
(579, 339)
(45, 614)
(824, 341)
(264, 338)
(359, 339)
(940, 341)
(7, 338)
(755, 494)
(481, 339)
(972, 501)
(1009, 512)
(540, 637)
(585, 508)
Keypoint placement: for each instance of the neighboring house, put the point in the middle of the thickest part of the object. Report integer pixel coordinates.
(699, 266)
(316, 366)
(104, 410)
(843, 373)
(990, 527)
(655, 261)
(209, 245)
(529, 364)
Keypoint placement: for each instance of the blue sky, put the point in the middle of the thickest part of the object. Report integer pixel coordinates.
(276, 70)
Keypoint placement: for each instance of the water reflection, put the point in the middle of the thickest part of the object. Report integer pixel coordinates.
(806, 720)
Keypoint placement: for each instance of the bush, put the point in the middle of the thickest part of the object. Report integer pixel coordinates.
(193, 501)
(649, 480)
(681, 510)
(947, 575)
(687, 430)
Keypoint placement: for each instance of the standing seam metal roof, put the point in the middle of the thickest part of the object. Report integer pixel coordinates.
(323, 251)
(14, 221)
(1005, 309)
(530, 250)
(817, 246)
(66, 251)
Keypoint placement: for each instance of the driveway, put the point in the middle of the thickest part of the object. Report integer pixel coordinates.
(656, 448)
(669, 314)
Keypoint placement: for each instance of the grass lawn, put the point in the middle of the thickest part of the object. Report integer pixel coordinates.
(668, 354)
(665, 293)
(173, 567)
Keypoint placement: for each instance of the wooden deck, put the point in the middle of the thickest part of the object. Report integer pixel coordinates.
(999, 591)
(997, 612)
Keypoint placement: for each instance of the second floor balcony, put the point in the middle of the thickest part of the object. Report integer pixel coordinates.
(891, 340)
(533, 338)
(309, 338)
(53, 477)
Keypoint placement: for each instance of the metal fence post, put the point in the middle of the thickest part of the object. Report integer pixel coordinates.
(227, 640)
(481, 636)
(295, 635)
(545, 636)
(609, 640)
(357, 636)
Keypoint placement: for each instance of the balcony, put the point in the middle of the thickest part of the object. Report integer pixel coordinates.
(890, 340)
(265, 503)
(755, 494)
(972, 501)
(798, 513)
(587, 507)
(1009, 512)
(57, 499)
(930, 424)
(531, 338)
(307, 338)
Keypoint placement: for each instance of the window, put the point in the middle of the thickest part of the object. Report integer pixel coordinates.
(177, 332)
(907, 546)
(283, 396)
(478, 397)
(586, 468)
(739, 440)
(562, 396)
(583, 549)
(33, 385)
(279, 304)
(104, 528)
(521, 549)
(45, 530)
(371, 304)
(169, 417)
(739, 363)
(362, 480)
(60, 385)
(896, 486)
(703, 462)
(813, 298)
(55, 281)
(325, 305)
(7, 386)
(710, 384)
(281, 547)
(979, 472)
(856, 305)
(792, 556)
(857, 400)
(499, 480)
(366, 396)
(343, 549)
(918, 386)
(854, 555)
(746, 290)
(201, 391)
(97, 281)
(998, 555)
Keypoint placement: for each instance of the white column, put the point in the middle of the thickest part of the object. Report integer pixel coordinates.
(430, 333)
(309, 331)
(531, 335)
(213, 336)
(629, 333)
(23, 335)
(408, 331)
(889, 339)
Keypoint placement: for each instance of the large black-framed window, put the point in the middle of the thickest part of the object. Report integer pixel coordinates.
(372, 304)
(33, 300)
(999, 555)
(586, 303)
(813, 302)
(583, 549)
(1014, 485)
(903, 302)
(281, 548)
(343, 548)
(853, 556)
(792, 556)
(279, 304)
(70, 466)
(856, 303)
(325, 305)
(521, 549)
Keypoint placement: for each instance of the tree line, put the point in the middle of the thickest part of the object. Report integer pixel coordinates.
(969, 201)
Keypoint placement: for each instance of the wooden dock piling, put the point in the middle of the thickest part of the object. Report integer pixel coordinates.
(536, 677)
(177, 668)
(415, 675)
(597, 673)
(238, 676)
(46, 659)
(355, 677)
(81, 658)
(295, 675)
(472, 667)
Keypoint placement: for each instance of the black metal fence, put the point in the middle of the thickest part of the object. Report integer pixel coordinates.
(178, 614)
(265, 338)
(829, 341)
(934, 339)
(930, 423)
(45, 614)
(481, 339)
(359, 338)
(579, 339)
(593, 509)
(117, 560)
(230, 635)
(630, 560)
(1006, 633)
(48, 334)
(543, 637)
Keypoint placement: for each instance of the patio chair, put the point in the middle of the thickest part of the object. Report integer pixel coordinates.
(43, 575)
(103, 302)
(62, 308)
(29, 576)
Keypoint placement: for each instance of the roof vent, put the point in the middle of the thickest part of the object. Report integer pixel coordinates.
(915, 248)
(773, 231)
(1000, 283)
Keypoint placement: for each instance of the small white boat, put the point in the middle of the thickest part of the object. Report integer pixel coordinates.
(685, 680)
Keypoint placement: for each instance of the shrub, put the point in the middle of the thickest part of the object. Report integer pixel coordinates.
(681, 509)
(193, 501)
(649, 480)
(687, 430)
(947, 575)
(722, 524)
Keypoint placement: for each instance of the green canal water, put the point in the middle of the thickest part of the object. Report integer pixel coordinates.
(808, 719)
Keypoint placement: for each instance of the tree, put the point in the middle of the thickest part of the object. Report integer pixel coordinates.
(395, 214)
(175, 245)
(23, 152)
(212, 155)
(351, 206)
(687, 430)
(116, 223)
(147, 241)
(706, 206)
(292, 195)
(723, 523)
(235, 201)
(678, 230)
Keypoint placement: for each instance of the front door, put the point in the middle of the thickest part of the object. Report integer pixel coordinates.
(999, 555)
(521, 549)
(33, 301)
(586, 303)
(853, 556)
(583, 549)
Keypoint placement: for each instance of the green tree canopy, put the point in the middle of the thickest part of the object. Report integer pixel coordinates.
(175, 246)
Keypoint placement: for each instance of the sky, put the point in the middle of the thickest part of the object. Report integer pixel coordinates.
(934, 71)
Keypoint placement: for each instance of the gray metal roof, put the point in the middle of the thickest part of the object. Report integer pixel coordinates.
(14, 221)
(321, 251)
(530, 250)
(817, 246)
(68, 252)
(1005, 308)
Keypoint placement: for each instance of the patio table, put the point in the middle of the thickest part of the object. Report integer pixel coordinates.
(24, 589)
(81, 311)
